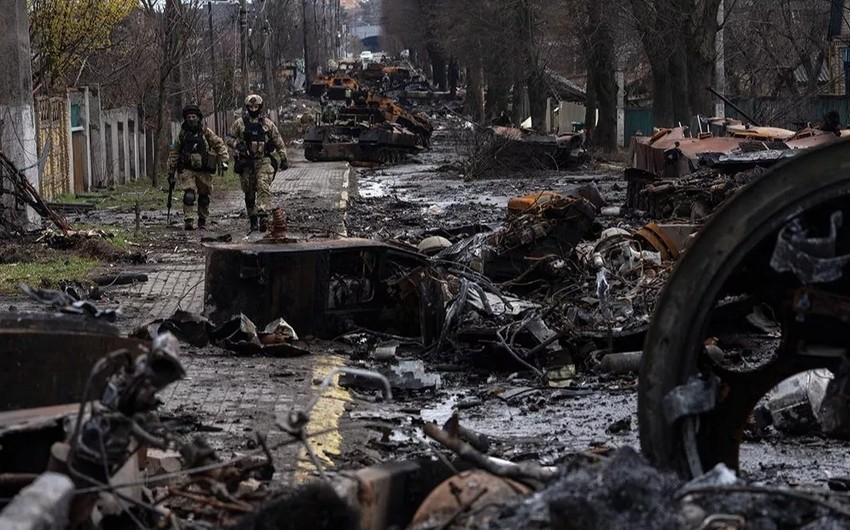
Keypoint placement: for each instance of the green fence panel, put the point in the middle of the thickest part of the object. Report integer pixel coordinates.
(637, 120)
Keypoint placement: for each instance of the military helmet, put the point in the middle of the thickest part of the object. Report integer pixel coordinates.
(192, 109)
(254, 99)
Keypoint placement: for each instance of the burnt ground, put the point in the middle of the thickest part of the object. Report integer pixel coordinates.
(228, 398)
(405, 202)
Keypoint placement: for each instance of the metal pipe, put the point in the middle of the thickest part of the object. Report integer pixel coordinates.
(738, 109)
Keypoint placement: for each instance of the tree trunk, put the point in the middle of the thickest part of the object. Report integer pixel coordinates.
(700, 39)
(532, 72)
(537, 95)
(475, 93)
(678, 66)
(601, 75)
(453, 76)
(159, 157)
(591, 103)
(662, 93)
(438, 66)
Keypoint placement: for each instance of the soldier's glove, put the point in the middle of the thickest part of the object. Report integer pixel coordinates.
(284, 163)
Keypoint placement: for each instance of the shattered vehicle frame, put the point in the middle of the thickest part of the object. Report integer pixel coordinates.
(780, 246)
(322, 288)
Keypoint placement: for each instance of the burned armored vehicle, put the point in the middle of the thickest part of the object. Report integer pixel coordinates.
(375, 130)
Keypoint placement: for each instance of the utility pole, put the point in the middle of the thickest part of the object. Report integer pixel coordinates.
(243, 38)
(214, 70)
(17, 115)
(307, 72)
(268, 70)
(720, 62)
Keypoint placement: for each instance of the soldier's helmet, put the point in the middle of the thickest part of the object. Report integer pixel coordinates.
(254, 99)
(192, 109)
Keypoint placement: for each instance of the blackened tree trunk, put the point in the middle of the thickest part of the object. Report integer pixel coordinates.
(678, 67)
(662, 92)
(601, 74)
(453, 76)
(475, 93)
(532, 72)
(700, 39)
(438, 66)
(591, 103)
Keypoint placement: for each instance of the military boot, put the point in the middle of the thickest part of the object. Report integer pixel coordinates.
(264, 223)
(202, 223)
(254, 225)
(187, 225)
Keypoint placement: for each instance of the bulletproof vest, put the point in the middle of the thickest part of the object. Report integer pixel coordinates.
(194, 153)
(256, 138)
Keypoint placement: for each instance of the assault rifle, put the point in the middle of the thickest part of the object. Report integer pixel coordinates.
(172, 181)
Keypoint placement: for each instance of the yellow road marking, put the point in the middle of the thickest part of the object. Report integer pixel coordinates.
(326, 415)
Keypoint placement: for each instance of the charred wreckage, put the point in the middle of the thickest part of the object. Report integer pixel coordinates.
(757, 296)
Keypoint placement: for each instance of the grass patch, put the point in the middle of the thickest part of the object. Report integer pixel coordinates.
(45, 274)
(118, 237)
(123, 197)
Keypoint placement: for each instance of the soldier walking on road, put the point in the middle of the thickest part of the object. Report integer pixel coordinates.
(196, 155)
(260, 153)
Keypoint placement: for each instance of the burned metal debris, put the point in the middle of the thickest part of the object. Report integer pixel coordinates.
(520, 146)
(239, 334)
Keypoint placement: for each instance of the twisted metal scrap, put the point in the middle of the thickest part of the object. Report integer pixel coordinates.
(24, 191)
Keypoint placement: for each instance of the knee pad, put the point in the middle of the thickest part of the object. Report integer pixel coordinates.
(189, 197)
(203, 200)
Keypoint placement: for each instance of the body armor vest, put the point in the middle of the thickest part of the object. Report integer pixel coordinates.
(194, 154)
(256, 138)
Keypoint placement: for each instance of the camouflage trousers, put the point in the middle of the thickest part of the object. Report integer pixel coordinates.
(257, 186)
(200, 182)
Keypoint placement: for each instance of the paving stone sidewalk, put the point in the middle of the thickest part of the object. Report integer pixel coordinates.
(237, 396)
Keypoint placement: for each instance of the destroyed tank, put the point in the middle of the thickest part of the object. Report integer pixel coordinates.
(360, 142)
(375, 130)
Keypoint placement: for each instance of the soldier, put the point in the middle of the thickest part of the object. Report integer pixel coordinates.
(195, 155)
(260, 152)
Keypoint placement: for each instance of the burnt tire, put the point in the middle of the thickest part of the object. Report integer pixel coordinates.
(673, 343)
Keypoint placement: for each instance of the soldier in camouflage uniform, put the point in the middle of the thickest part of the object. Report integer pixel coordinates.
(195, 155)
(259, 153)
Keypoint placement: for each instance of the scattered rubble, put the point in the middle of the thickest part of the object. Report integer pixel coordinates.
(539, 306)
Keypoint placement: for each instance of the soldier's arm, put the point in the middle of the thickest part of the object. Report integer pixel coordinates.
(218, 146)
(236, 132)
(277, 140)
(173, 155)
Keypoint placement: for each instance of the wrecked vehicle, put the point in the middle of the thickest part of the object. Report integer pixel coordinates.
(776, 251)
(674, 174)
(322, 288)
(538, 150)
(376, 130)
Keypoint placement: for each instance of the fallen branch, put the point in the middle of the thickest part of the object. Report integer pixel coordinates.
(24, 191)
(496, 466)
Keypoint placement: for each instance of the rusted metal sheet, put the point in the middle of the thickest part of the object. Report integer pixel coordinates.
(47, 357)
(27, 434)
(316, 286)
(670, 153)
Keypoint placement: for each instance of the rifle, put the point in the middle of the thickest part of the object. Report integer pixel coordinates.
(172, 181)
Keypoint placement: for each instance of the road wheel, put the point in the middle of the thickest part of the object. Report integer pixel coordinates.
(693, 404)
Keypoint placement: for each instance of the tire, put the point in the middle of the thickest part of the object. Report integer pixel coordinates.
(673, 342)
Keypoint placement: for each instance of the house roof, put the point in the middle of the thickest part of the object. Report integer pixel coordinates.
(562, 88)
